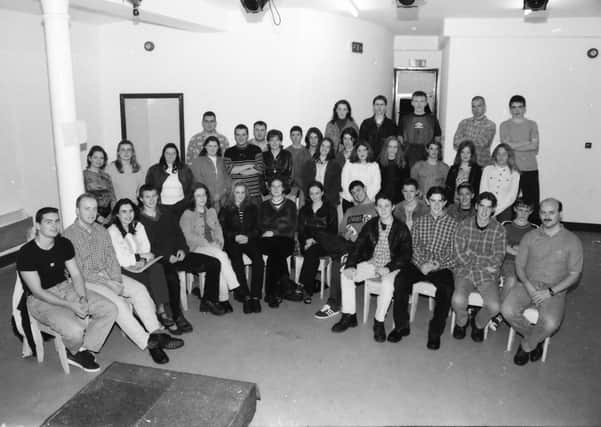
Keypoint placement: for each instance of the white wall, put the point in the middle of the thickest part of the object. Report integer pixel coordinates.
(409, 48)
(563, 93)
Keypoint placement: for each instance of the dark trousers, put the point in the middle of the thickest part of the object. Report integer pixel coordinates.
(153, 278)
(277, 249)
(173, 286)
(403, 284)
(200, 263)
(531, 192)
(310, 265)
(235, 251)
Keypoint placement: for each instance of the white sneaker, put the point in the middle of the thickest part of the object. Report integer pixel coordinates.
(326, 312)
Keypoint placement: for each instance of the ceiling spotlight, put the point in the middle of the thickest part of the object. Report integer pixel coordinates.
(136, 6)
(409, 3)
(535, 5)
(253, 6)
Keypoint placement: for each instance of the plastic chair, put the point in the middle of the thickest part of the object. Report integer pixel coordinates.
(325, 268)
(531, 314)
(36, 332)
(421, 288)
(475, 300)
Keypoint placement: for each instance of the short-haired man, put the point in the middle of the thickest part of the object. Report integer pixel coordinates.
(432, 171)
(83, 318)
(522, 135)
(244, 163)
(98, 263)
(479, 250)
(479, 129)
(209, 128)
(418, 129)
(382, 249)
(301, 164)
(375, 129)
(352, 222)
(464, 208)
(260, 135)
(433, 237)
(412, 207)
(549, 261)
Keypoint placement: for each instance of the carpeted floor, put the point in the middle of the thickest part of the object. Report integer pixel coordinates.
(309, 376)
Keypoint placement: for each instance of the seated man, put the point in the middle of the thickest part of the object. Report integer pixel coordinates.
(98, 263)
(548, 262)
(479, 249)
(82, 318)
(412, 207)
(381, 250)
(433, 238)
(464, 208)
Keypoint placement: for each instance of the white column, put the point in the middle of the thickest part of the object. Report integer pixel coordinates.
(62, 102)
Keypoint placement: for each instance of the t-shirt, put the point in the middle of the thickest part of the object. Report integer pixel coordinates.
(50, 264)
(356, 217)
(419, 129)
(428, 175)
(514, 234)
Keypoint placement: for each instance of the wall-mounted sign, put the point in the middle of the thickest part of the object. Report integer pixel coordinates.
(357, 47)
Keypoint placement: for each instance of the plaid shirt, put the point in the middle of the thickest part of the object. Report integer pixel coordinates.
(382, 250)
(481, 131)
(197, 141)
(478, 249)
(434, 240)
(94, 253)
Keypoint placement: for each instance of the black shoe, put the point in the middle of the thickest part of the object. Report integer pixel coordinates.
(521, 357)
(459, 332)
(273, 302)
(397, 334)
(477, 333)
(537, 353)
(84, 360)
(295, 294)
(345, 322)
(433, 342)
(183, 324)
(308, 297)
(158, 355)
(227, 307)
(256, 305)
(240, 298)
(247, 306)
(162, 340)
(207, 306)
(379, 331)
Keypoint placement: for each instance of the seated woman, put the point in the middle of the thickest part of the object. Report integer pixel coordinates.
(502, 178)
(464, 169)
(97, 182)
(317, 223)
(278, 162)
(326, 170)
(172, 178)
(348, 140)
(393, 168)
(361, 167)
(133, 253)
(239, 219)
(312, 140)
(126, 173)
(209, 169)
(204, 235)
(277, 223)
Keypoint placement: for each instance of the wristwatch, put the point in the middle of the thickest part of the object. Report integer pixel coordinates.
(551, 292)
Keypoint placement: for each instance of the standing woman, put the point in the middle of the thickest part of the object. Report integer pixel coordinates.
(278, 162)
(172, 178)
(502, 178)
(342, 118)
(326, 170)
(317, 223)
(464, 169)
(204, 235)
(97, 182)
(312, 140)
(132, 247)
(393, 167)
(209, 168)
(361, 167)
(239, 219)
(349, 139)
(125, 172)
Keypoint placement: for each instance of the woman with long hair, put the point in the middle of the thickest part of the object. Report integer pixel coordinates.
(342, 118)
(326, 170)
(464, 169)
(393, 168)
(172, 178)
(209, 168)
(97, 182)
(349, 140)
(125, 172)
(361, 167)
(502, 178)
(204, 235)
(312, 140)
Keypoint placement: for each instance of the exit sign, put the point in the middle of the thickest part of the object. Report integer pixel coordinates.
(357, 47)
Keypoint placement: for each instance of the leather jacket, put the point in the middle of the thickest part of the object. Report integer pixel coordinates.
(280, 167)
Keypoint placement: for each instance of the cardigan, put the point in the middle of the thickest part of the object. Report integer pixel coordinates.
(451, 183)
(367, 173)
(213, 175)
(331, 183)
(156, 176)
(126, 247)
(193, 227)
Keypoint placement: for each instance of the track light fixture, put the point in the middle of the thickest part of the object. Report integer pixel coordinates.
(535, 5)
(404, 3)
(253, 6)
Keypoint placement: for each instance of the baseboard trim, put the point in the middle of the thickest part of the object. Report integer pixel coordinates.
(583, 226)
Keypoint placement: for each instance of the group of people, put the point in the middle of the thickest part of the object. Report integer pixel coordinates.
(375, 199)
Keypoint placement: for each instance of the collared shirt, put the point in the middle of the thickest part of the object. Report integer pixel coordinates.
(455, 211)
(479, 130)
(477, 248)
(547, 260)
(434, 240)
(94, 252)
(197, 141)
(381, 256)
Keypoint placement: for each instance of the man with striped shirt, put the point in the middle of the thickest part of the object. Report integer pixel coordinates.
(244, 163)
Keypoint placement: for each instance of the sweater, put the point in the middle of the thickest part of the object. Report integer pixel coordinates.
(164, 233)
(193, 227)
(428, 176)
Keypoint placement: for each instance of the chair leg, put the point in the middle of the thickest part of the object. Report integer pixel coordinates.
(452, 321)
(62, 353)
(37, 339)
(366, 300)
(189, 282)
(183, 295)
(510, 339)
(298, 264)
(486, 331)
(248, 273)
(328, 279)
(323, 281)
(201, 283)
(431, 303)
(546, 348)
(413, 310)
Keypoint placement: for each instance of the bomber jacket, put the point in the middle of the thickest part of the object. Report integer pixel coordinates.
(233, 223)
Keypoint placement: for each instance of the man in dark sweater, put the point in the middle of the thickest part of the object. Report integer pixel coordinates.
(376, 129)
(244, 163)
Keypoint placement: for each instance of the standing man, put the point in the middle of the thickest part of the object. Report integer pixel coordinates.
(548, 262)
(82, 318)
(478, 129)
(382, 249)
(479, 250)
(433, 237)
(260, 135)
(244, 163)
(377, 128)
(522, 135)
(209, 128)
(418, 129)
